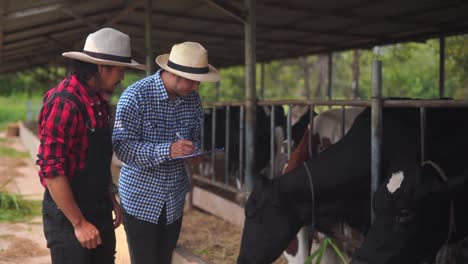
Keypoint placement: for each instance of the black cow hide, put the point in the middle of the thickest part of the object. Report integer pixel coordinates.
(277, 209)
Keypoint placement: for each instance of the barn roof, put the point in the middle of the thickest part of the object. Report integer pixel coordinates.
(36, 32)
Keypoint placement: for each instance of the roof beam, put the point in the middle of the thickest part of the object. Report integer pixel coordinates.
(92, 25)
(69, 11)
(33, 11)
(50, 28)
(129, 9)
(229, 9)
(221, 37)
(25, 64)
(2, 14)
(260, 27)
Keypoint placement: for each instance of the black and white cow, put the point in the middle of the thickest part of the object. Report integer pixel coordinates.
(340, 177)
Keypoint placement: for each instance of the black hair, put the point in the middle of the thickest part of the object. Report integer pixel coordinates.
(85, 71)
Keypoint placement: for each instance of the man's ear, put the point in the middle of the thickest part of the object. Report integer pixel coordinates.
(100, 67)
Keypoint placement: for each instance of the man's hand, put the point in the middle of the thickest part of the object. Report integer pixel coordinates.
(181, 148)
(87, 234)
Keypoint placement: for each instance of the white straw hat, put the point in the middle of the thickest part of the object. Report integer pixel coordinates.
(106, 46)
(189, 60)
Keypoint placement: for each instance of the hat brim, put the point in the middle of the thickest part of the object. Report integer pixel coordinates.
(86, 58)
(211, 76)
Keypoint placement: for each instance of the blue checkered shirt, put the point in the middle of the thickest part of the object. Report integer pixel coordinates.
(146, 124)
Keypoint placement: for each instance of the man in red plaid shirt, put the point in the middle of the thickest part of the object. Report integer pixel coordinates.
(75, 152)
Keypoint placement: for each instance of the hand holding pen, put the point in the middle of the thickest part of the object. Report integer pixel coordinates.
(181, 147)
(194, 160)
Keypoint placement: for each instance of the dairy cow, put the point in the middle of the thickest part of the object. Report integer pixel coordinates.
(328, 129)
(334, 187)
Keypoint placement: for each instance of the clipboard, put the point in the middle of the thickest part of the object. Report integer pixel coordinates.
(200, 153)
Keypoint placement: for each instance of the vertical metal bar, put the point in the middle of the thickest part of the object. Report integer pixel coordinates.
(202, 146)
(330, 75)
(272, 141)
(343, 119)
(311, 129)
(227, 147)
(250, 96)
(289, 132)
(262, 80)
(241, 145)
(148, 40)
(213, 143)
(422, 115)
(441, 67)
(202, 134)
(376, 130)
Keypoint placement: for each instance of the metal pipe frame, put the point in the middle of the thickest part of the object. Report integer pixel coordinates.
(422, 115)
(376, 131)
(441, 67)
(289, 130)
(227, 146)
(431, 103)
(241, 144)
(272, 141)
(213, 142)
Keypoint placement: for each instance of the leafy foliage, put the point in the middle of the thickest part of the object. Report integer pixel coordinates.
(409, 70)
(318, 254)
(14, 208)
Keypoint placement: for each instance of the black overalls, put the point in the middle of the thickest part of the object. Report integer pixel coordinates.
(91, 192)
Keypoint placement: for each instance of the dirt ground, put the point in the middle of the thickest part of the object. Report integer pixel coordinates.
(213, 239)
(21, 243)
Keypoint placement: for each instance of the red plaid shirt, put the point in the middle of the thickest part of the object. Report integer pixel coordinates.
(63, 131)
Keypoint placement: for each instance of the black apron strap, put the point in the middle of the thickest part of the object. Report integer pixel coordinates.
(71, 97)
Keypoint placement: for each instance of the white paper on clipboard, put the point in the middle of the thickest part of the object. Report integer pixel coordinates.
(200, 153)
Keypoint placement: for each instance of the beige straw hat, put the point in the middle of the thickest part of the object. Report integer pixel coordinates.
(106, 46)
(189, 60)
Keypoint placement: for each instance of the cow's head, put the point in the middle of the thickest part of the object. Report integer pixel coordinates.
(412, 209)
(268, 226)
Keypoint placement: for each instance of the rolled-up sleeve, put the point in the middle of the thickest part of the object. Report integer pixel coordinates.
(128, 128)
(58, 128)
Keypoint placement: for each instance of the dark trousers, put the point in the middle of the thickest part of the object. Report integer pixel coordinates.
(65, 247)
(150, 243)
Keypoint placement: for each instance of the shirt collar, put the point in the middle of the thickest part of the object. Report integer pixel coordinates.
(161, 92)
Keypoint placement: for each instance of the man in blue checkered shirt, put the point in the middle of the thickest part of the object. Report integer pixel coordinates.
(158, 119)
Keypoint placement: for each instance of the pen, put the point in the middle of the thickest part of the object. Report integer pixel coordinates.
(178, 135)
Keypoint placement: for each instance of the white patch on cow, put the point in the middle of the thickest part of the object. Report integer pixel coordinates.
(395, 181)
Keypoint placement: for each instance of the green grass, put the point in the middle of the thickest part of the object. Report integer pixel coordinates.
(12, 153)
(13, 208)
(318, 254)
(13, 109)
(201, 252)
